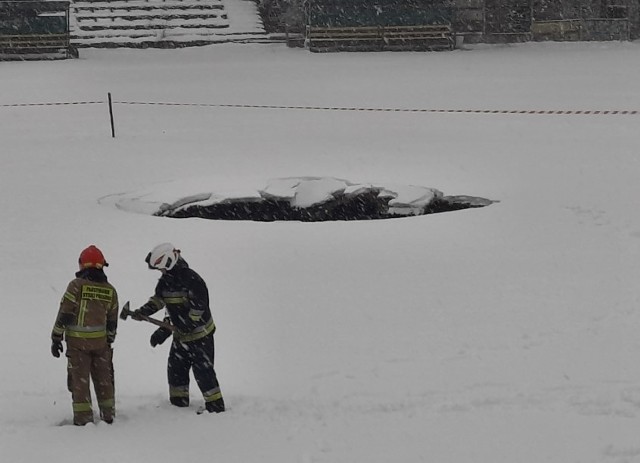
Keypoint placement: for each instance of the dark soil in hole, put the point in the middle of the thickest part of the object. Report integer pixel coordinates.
(363, 206)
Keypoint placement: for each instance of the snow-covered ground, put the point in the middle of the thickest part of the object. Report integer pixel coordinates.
(503, 334)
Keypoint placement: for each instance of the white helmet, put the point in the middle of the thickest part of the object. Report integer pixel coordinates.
(163, 257)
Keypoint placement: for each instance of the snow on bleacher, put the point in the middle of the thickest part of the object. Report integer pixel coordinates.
(163, 23)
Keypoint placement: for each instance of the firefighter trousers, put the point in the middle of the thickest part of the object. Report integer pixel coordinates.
(95, 365)
(197, 356)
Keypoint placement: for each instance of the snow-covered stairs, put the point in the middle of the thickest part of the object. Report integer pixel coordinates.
(163, 23)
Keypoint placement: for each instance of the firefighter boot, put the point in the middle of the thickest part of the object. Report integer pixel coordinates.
(107, 414)
(82, 418)
(179, 401)
(215, 406)
(82, 413)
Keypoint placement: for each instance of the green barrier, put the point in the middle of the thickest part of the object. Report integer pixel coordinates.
(33, 17)
(38, 25)
(34, 29)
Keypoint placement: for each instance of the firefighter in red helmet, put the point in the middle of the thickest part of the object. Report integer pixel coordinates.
(87, 320)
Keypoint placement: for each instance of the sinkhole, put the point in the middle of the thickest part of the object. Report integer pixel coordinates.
(319, 199)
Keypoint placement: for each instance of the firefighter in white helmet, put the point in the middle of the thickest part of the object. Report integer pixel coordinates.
(184, 295)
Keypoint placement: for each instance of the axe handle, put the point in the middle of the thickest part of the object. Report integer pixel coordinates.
(152, 320)
(160, 323)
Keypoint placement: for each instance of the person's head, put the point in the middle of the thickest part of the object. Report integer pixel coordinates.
(92, 257)
(163, 257)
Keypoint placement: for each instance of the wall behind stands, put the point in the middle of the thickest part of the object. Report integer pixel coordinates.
(346, 13)
(477, 20)
(488, 20)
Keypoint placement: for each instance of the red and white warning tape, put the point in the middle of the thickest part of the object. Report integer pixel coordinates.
(338, 108)
(51, 104)
(405, 110)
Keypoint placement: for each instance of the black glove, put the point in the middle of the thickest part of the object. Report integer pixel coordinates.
(137, 315)
(56, 348)
(111, 338)
(159, 336)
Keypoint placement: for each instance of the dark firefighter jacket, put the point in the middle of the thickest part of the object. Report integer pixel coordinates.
(88, 314)
(185, 296)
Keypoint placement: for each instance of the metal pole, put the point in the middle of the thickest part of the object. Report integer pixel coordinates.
(113, 130)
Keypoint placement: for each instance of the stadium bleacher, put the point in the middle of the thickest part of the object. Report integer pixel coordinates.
(163, 23)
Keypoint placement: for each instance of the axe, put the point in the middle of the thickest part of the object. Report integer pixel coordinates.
(125, 312)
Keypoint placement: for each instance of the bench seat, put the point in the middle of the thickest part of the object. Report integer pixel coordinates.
(380, 38)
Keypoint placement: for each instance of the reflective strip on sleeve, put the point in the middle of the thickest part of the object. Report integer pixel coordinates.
(157, 302)
(58, 330)
(112, 327)
(70, 297)
(195, 315)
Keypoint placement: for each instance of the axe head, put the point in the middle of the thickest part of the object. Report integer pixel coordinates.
(124, 313)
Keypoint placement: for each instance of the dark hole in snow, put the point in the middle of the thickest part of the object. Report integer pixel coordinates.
(313, 199)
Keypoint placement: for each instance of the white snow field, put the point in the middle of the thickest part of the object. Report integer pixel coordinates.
(504, 334)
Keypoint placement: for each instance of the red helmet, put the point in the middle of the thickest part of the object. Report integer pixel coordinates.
(92, 257)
